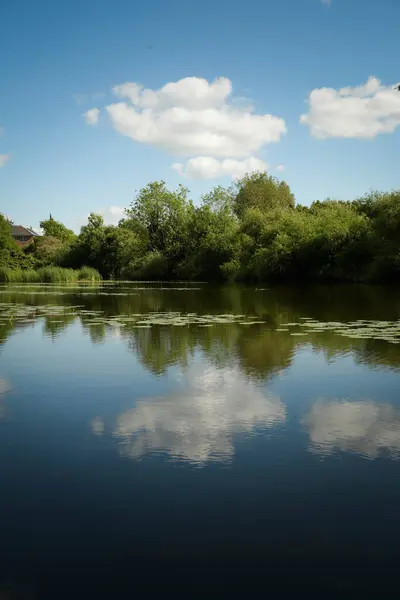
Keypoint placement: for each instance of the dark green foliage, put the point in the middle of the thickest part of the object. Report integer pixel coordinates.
(251, 231)
(120, 249)
(154, 265)
(11, 255)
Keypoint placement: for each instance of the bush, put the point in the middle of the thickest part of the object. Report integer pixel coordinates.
(230, 270)
(153, 266)
(88, 274)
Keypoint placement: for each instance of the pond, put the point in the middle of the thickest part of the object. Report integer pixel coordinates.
(199, 436)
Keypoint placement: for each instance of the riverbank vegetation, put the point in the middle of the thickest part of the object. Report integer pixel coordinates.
(48, 275)
(252, 231)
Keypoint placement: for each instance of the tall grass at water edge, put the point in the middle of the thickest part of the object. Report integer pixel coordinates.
(49, 275)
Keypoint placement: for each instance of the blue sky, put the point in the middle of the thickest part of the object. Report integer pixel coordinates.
(61, 59)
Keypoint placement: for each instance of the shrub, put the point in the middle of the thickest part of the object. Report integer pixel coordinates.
(154, 266)
(88, 274)
(230, 270)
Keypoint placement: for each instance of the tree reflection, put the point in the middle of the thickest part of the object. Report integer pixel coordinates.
(159, 348)
(97, 333)
(53, 326)
(259, 351)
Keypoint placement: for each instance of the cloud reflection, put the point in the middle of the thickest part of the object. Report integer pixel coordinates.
(363, 427)
(197, 424)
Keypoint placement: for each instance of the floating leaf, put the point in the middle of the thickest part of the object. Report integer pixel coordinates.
(299, 334)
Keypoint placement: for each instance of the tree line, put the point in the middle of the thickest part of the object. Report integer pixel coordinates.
(251, 231)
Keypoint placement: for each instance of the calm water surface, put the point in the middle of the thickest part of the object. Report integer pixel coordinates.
(170, 436)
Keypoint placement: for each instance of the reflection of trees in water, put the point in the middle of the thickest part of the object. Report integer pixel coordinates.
(369, 352)
(159, 348)
(6, 329)
(97, 333)
(325, 303)
(340, 302)
(265, 353)
(363, 427)
(9, 327)
(259, 350)
(54, 326)
(196, 424)
(378, 353)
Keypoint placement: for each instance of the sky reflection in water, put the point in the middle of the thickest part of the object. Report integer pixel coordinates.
(197, 424)
(225, 379)
(191, 425)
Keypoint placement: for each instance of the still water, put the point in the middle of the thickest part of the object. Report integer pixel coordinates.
(196, 436)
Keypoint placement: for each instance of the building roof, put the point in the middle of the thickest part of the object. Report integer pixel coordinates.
(19, 230)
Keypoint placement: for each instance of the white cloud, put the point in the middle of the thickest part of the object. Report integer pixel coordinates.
(3, 159)
(280, 168)
(190, 92)
(197, 424)
(92, 116)
(353, 112)
(326, 2)
(363, 427)
(192, 117)
(206, 167)
(111, 214)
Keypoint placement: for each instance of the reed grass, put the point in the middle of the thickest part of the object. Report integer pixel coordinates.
(49, 275)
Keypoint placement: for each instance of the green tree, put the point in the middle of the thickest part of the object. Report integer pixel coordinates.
(90, 245)
(48, 250)
(121, 253)
(56, 229)
(340, 240)
(212, 240)
(11, 255)
(262, 191)
(384, 211)
(159, 214)
(7, 243)
(159, 218)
